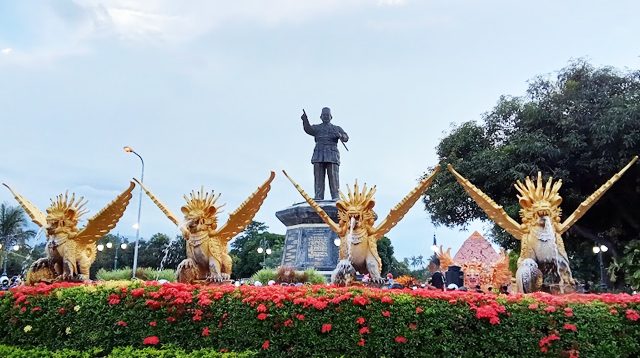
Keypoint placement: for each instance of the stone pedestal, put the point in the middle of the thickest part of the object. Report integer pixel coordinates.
(309, 242)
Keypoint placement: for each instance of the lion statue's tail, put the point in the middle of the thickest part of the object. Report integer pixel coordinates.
(40, 271)
(528, 276)
(344, 274)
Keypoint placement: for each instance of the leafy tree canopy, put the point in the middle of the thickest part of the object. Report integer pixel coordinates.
(582, 127)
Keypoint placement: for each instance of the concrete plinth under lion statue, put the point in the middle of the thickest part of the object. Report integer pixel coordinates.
(309, 242)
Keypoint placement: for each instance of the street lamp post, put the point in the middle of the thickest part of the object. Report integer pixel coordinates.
(119, 245)
(264, 250)
(9, 243)
(599, 249)
(434, 247)
(137, 225)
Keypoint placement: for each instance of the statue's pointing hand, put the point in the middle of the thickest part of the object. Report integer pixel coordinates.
(304, 115)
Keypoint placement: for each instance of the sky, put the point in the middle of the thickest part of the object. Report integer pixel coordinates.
(211, 92)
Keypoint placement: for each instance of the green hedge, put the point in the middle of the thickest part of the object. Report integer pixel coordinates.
(319, 321)
(126, 352)
(142, 273)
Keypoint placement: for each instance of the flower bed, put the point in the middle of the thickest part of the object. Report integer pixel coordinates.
(319, 320)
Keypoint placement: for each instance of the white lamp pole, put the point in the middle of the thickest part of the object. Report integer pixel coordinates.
(137, 225)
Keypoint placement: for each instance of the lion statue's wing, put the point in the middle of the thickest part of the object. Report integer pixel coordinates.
(242, 216)
(161, 206)
(494, 211)
(34, 213)
(399, 211)
(323, 214)
(106, 219)
(593, 198)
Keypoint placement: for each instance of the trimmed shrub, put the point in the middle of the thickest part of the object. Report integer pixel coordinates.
(126, 352)
(264, 276)
(143, 273)
(318, 320)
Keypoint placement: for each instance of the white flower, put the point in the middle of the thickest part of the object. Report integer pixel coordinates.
(68, 330)
(27, 328)
(76, 308)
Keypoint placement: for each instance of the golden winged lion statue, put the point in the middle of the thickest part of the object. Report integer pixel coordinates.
(70, 251)
(207, 256)
(543, 259)
(355, 228)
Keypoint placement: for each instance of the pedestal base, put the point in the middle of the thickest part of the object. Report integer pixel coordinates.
(309, 242)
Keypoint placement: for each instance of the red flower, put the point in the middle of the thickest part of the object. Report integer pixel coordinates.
(387, 299)
(568, 312)
(360, 320)
(265, 345)
(400, 339)
(300, 317)
(364, 330)
(113, 299)
(137, 292)
(632, 315)
(545, 342)
(171, 319)
(262, 316)
(613, 311)
(153, 323)
(151, 341)
(453, 301)
(361, 342)
(261, 308)
(326, 328)
(419, 310)
(61, 310)
(360, 301)
(205, 332)
(288, 323)
(573, 353)
(36, 309)
(533, 306)
(570, 327)
(121, 323)
(386, 313)
(413, 326)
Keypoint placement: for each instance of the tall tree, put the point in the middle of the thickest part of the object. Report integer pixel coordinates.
(389, 262)
(244, 249)
(581, 127)
(13, 231)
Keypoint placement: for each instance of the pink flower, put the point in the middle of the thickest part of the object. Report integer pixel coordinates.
(265, 345)
(300, 317)
(568, 312)
(153, 323)
(387, 299)
(632, 315)
(360, 320)
(121, 323)
(262, 316)
(364, 330)
(361, 342)
(386, 313)
(413, 326)
(151, 341)
(533, 306)
(550, 309)
(570, 327)
(288, 323)
(400, 339)
(419, 310)
(360, 301)
(261, 308)
(205, 332)
(326, 328)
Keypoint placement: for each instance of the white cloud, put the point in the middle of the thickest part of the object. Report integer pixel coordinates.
(392, 2)
(6, 51)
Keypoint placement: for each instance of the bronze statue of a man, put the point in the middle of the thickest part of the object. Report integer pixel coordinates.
(326, 157)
